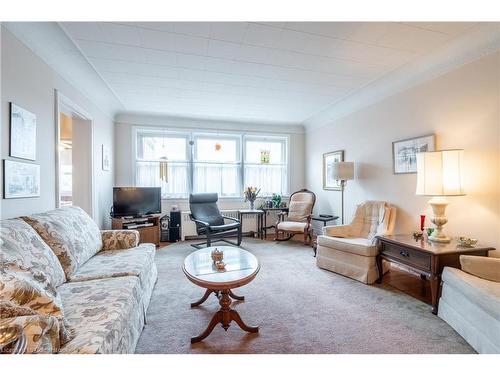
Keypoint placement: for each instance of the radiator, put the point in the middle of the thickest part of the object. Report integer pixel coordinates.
(249, 222)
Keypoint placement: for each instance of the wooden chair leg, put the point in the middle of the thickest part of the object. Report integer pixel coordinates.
(305, 237)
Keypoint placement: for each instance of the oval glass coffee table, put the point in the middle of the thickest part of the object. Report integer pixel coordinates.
(241, 268)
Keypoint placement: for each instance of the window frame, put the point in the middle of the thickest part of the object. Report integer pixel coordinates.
(191, 136)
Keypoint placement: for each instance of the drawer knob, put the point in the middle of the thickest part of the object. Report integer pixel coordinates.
(404, 253)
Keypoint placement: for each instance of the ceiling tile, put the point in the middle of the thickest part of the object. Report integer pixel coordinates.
(201, 29)
(228, 31)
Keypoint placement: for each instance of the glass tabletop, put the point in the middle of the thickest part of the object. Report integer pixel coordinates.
(239, 265)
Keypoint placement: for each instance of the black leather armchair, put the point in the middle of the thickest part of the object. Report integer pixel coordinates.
(210, 222)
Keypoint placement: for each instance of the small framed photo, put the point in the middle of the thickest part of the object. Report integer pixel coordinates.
(21, 180)
(106, 161)
(328, 159)
(22, 133)
(404, 152)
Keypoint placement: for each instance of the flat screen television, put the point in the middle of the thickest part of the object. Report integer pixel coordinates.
(136, 201)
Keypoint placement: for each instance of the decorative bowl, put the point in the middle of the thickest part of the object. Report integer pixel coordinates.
(466, 241)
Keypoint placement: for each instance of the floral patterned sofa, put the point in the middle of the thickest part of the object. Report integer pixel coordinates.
(73, 287)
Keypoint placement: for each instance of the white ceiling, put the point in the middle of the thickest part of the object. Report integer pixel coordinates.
(278, 72)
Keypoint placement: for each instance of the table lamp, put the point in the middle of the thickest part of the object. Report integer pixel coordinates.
(440, 174)
(343, 171)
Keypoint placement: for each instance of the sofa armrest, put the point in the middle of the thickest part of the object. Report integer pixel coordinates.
(119, 239)
(337, 230)
(482, 267)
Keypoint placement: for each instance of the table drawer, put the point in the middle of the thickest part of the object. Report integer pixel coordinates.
(407, 256)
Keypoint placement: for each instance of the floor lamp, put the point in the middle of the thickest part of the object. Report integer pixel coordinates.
(343, 171)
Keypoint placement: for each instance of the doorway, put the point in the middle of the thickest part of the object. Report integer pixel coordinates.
(74, 156)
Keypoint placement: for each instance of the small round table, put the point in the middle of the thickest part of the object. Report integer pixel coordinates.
(241, 268)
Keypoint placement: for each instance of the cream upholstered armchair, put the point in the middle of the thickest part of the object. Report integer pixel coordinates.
(351, 250)
(298, 218)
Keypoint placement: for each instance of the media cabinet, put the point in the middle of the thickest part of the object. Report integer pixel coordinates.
(148, 227)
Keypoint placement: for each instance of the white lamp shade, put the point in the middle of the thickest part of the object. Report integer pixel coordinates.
(343, 170)
(440, 173)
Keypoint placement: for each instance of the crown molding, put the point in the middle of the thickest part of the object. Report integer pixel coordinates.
(482, 40)
(149, 119)
(51, 44)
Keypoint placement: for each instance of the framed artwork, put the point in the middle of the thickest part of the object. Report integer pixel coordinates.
(328, 159)
(106, 161)
(21, 180)
(22, 133)
(404, 152)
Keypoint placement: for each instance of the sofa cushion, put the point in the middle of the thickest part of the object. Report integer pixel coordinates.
(359, 246)
(20, 290)
(22, 245)
(137, 261)
(483, 267)
(119, 239)
(106, 314)
(41, 332)
(71, 234)
(292, 226)
(483, 293)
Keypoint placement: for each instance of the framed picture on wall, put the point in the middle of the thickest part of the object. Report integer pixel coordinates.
(21, 180)
(22, 133)
(404, 152)
(106, 161)
(328, 159)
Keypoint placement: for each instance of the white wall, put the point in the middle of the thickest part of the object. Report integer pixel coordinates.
(124, 138)
(30, 83)
(462, 109)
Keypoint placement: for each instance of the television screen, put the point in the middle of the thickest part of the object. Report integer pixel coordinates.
(135, 201)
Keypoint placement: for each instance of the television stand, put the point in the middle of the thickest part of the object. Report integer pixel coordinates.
(148, 227)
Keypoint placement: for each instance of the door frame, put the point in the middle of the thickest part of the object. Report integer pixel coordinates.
(62, 101)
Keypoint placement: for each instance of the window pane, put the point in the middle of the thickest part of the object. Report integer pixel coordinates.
(148, 174)
(219, 150)
(156, 147)
(216, 178)
(254, 148)
(269, 178)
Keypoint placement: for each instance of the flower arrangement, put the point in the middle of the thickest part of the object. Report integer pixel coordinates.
(251, 193)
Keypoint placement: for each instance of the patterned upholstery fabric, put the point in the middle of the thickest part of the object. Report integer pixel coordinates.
(107, 315)
(22, 245)
(42, 332)
(21, 290)
(71, 234)
(119, 239)
(137, 261)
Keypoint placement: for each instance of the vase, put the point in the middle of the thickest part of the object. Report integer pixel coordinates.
(252, 204)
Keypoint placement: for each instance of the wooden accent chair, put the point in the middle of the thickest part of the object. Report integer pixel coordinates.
(298, 218)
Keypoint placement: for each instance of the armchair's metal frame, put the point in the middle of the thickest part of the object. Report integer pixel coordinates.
(212, 235)
(284, 235)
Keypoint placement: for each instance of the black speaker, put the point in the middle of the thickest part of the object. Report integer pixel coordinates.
(164, 228)
(175, 219)
(174, 230)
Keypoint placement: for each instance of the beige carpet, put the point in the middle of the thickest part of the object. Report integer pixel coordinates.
(298, 307)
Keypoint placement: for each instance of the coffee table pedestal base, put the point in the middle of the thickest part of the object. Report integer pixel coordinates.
(224, 316)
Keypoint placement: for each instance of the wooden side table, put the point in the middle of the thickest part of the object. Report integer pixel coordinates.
(259, 222)
(424, 257)
(324, 220)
